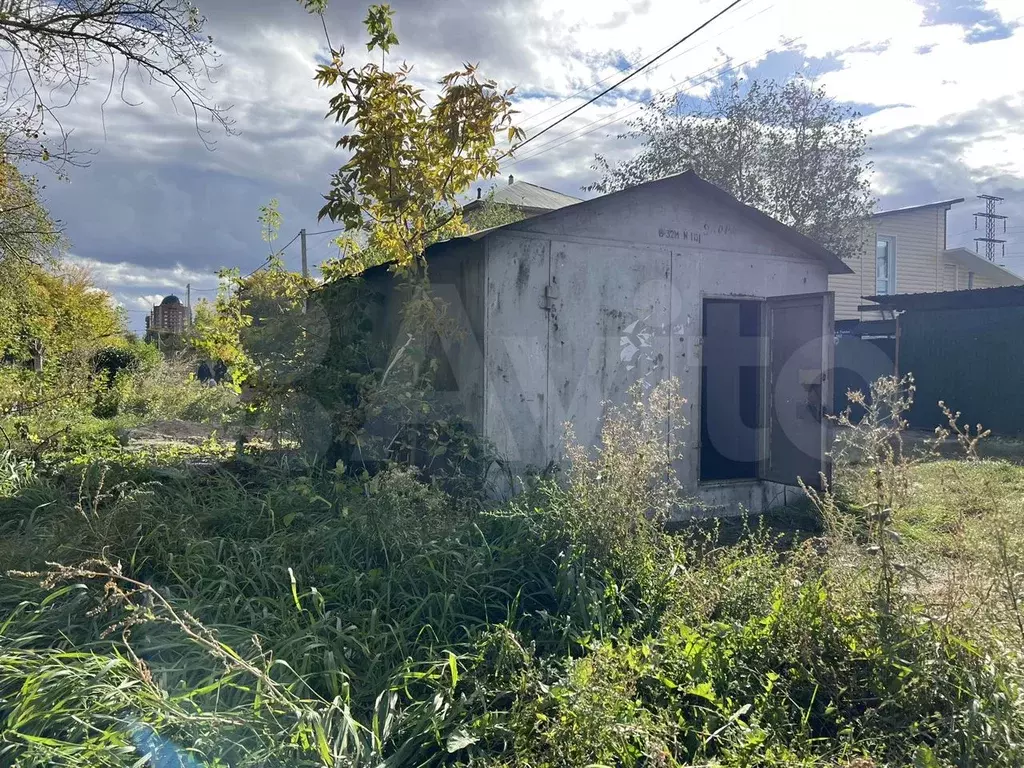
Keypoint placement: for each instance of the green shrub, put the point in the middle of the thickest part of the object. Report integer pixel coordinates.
(135, 357)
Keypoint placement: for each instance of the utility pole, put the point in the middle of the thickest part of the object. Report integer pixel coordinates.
(990, 217)
(302, 242)
(305, 267)
(188, 303)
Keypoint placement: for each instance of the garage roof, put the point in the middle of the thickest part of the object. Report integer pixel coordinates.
(707, 190)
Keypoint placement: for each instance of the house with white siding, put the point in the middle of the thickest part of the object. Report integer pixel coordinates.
(905, 251)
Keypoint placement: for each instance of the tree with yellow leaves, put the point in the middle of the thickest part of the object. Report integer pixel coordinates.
(408, 161)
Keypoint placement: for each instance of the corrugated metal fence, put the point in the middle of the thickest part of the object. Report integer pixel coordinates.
(858, 362)
(973, 359)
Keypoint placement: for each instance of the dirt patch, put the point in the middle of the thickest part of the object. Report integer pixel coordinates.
(175, 431)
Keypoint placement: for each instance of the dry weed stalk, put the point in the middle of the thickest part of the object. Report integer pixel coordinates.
(874, 442)
(630, 482)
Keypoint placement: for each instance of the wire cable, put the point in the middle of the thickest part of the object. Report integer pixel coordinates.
(631, 75)
(531, 118)
(276, 253)
(261, 266)
(628, 111)
(566, 116)
(285, 248)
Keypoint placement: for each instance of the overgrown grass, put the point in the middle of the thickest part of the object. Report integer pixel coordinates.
(96, 415)
(261, 611)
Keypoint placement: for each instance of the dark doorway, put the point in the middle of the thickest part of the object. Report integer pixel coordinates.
(730, 391)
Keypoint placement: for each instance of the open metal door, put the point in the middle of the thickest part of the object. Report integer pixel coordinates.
(800, 341)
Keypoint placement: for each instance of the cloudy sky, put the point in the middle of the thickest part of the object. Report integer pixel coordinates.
(156, 209)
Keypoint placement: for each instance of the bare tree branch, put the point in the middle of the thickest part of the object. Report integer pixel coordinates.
(49, 50)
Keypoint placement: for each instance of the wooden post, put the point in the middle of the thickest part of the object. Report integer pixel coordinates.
(896, 362)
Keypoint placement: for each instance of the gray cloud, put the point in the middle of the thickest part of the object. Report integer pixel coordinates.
(156, 198)
(925, 163)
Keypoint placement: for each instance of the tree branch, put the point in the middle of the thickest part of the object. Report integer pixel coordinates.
(59, 44)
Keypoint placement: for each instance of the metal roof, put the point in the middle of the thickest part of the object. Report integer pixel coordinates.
(690, 180)
(977, 298)
(982, 266)
(523, 194)
(937, 204)
(863, 328)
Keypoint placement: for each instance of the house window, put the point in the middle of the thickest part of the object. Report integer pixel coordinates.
(885, 265)
(970, 280)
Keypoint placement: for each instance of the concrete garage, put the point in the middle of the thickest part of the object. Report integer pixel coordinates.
(563, 312)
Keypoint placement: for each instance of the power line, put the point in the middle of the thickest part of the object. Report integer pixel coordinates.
(277, 253)
(566, 116)
(261, 266)
(604, 120)
(580, 92)
(631, 75)
(632, 109)
(601, 122)
(285, 248)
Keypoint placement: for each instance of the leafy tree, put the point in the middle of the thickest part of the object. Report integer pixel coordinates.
(28, 240)
(314, 358)
(54, 48)
(52, 317)
(54, 321)
(787, 149)
(27, 233)
(408, 161)
(259, 325)
(68, 311)
(216, 328)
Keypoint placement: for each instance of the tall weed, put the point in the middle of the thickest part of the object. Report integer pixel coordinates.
(267, 612)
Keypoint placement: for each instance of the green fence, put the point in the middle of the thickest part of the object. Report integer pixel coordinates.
(858, 362)
(973, 359)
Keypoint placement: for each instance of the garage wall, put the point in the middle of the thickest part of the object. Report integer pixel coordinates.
(456, 277)
(516, 348)
(584, 302)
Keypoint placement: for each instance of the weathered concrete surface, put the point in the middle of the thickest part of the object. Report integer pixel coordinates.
(567, 310)
(583, 303)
